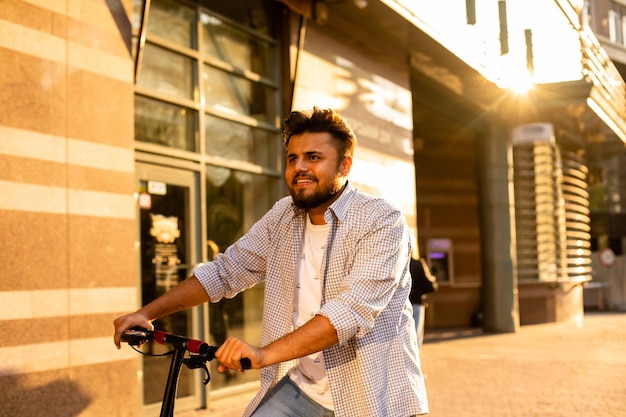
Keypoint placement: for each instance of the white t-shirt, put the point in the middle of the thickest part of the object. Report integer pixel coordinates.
(310, 372)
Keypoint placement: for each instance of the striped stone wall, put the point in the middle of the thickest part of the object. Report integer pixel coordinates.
(67, 213)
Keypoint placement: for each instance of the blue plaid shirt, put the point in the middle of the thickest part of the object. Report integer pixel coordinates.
(374, 370)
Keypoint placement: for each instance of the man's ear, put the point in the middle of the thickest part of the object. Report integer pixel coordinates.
(346, 165)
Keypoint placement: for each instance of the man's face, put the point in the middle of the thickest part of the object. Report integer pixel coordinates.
(313, 172)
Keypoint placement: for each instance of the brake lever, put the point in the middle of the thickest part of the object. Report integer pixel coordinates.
(198, 362)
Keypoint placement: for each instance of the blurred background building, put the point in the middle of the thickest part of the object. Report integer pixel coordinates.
(139, 139)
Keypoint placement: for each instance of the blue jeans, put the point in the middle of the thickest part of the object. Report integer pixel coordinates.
(286, 400)
(418, 316)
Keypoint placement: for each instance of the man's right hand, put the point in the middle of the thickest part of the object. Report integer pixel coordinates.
(187, 294)
(123, 323)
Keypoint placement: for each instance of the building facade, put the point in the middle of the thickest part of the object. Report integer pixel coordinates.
(139, 139)
(68, 213)
(607, 20)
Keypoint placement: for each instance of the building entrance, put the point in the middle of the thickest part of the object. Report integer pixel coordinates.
(167, 201)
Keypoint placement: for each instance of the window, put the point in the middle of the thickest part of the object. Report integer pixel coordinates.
(164, 124)
(231, 140)
(167, 72)
(201, 71)
(234, 201)
(615, 32)
(207, 101)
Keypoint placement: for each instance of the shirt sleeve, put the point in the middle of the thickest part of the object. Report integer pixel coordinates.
(377, 269)
(242, 265)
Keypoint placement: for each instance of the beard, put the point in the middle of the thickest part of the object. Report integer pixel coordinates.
(321, 195)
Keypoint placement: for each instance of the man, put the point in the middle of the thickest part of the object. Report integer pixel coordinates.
(337, 324)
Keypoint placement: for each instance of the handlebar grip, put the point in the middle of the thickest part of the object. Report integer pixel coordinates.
(136, 336)
(245, 363)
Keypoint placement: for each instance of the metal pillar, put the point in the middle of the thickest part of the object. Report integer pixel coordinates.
(497, 225)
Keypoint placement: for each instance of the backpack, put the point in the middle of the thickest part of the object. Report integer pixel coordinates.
(423, 281)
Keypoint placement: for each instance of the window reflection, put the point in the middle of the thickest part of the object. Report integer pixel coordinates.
(167, 72)
(164, 124)
(234, 201)
(229, 44)
(253, 14)
(172, 21)
(232, 94)
(164, 238)
(231, 140)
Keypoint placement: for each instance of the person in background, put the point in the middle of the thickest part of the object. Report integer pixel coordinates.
(338, 337)
(423, 282)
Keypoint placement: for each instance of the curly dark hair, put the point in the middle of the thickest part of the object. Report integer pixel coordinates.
(317, 121)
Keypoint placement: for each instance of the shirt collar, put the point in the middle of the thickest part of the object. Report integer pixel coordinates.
(339, 207)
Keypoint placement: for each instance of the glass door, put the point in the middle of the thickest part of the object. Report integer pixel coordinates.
(167, 201)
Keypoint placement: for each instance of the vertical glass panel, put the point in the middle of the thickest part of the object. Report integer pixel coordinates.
(138, 6)
(164, 261)
(235, 95)
(232, 140)
(253, 14)
(235, 200)
(172, 21)
(134, 45)
(165, 124)
(137, 12)
(166, 72)
(230, 44)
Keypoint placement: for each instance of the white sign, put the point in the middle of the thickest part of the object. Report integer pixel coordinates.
(533, 132)
(157, 187)
(607, 257)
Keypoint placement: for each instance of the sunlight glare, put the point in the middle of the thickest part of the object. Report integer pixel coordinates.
(520, 83)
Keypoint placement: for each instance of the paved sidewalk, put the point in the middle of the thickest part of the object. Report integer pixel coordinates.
(546, 370)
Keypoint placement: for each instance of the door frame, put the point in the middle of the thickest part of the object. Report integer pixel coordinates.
(189, 179)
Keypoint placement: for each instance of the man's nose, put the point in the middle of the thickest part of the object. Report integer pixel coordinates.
(301, 165)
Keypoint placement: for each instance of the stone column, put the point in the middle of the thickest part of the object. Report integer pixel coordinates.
(497, 225)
